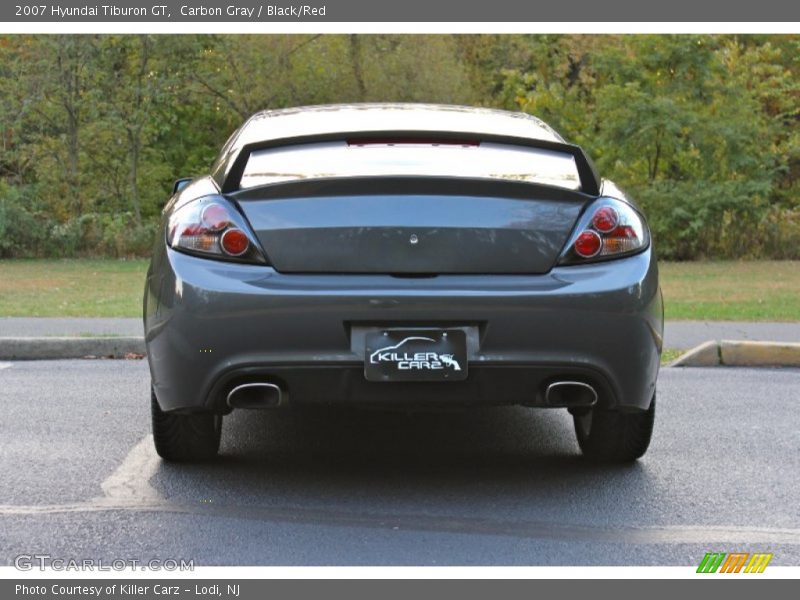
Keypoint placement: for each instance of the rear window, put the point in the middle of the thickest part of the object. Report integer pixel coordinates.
(445, 159)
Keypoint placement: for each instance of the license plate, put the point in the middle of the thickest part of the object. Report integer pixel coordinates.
(416, 355)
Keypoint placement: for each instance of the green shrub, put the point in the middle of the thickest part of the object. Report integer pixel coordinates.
(695, 220)
(123, 238)
(27, 232)
(23, 232)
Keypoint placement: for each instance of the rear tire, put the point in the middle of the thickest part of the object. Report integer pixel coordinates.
(184, 438)
(613, 436)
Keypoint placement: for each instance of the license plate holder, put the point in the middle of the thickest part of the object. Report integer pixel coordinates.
(416, 355)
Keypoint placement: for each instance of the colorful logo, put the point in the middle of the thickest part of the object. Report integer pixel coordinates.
(734, 562)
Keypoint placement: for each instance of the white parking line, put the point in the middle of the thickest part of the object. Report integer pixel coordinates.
(545, 530)
(129, 484)
(127, 488)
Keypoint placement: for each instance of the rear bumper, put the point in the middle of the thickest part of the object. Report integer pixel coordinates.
(211, 325)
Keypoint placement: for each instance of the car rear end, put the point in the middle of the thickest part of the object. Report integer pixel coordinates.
(403, 272)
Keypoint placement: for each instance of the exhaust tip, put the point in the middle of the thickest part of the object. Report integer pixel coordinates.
(570, 394)
(255, 396)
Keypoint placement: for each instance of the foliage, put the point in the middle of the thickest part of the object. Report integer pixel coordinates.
(701, 130)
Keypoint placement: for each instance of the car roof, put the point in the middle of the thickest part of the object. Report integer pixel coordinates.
(328, 119)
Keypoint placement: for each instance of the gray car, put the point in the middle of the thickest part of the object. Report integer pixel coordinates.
(403, 256)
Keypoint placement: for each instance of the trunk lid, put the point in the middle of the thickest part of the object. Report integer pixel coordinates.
(411, 225)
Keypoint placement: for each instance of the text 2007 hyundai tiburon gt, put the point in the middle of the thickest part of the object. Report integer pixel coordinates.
(402, 256)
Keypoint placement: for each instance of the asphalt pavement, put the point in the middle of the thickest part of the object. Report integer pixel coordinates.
(680, 335)
(323, 486)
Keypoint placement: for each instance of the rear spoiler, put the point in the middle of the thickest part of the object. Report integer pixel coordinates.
(229, 174)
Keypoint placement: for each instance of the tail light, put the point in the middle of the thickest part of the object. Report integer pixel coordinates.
(605, 219)
(212, 227)
(609, 229)
(234, 242)
(588, 244)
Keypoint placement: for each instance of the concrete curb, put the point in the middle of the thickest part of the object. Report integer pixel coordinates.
(40, 348)
(732, 353)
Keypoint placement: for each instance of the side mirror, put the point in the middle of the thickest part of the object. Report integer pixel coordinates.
(181, 183)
